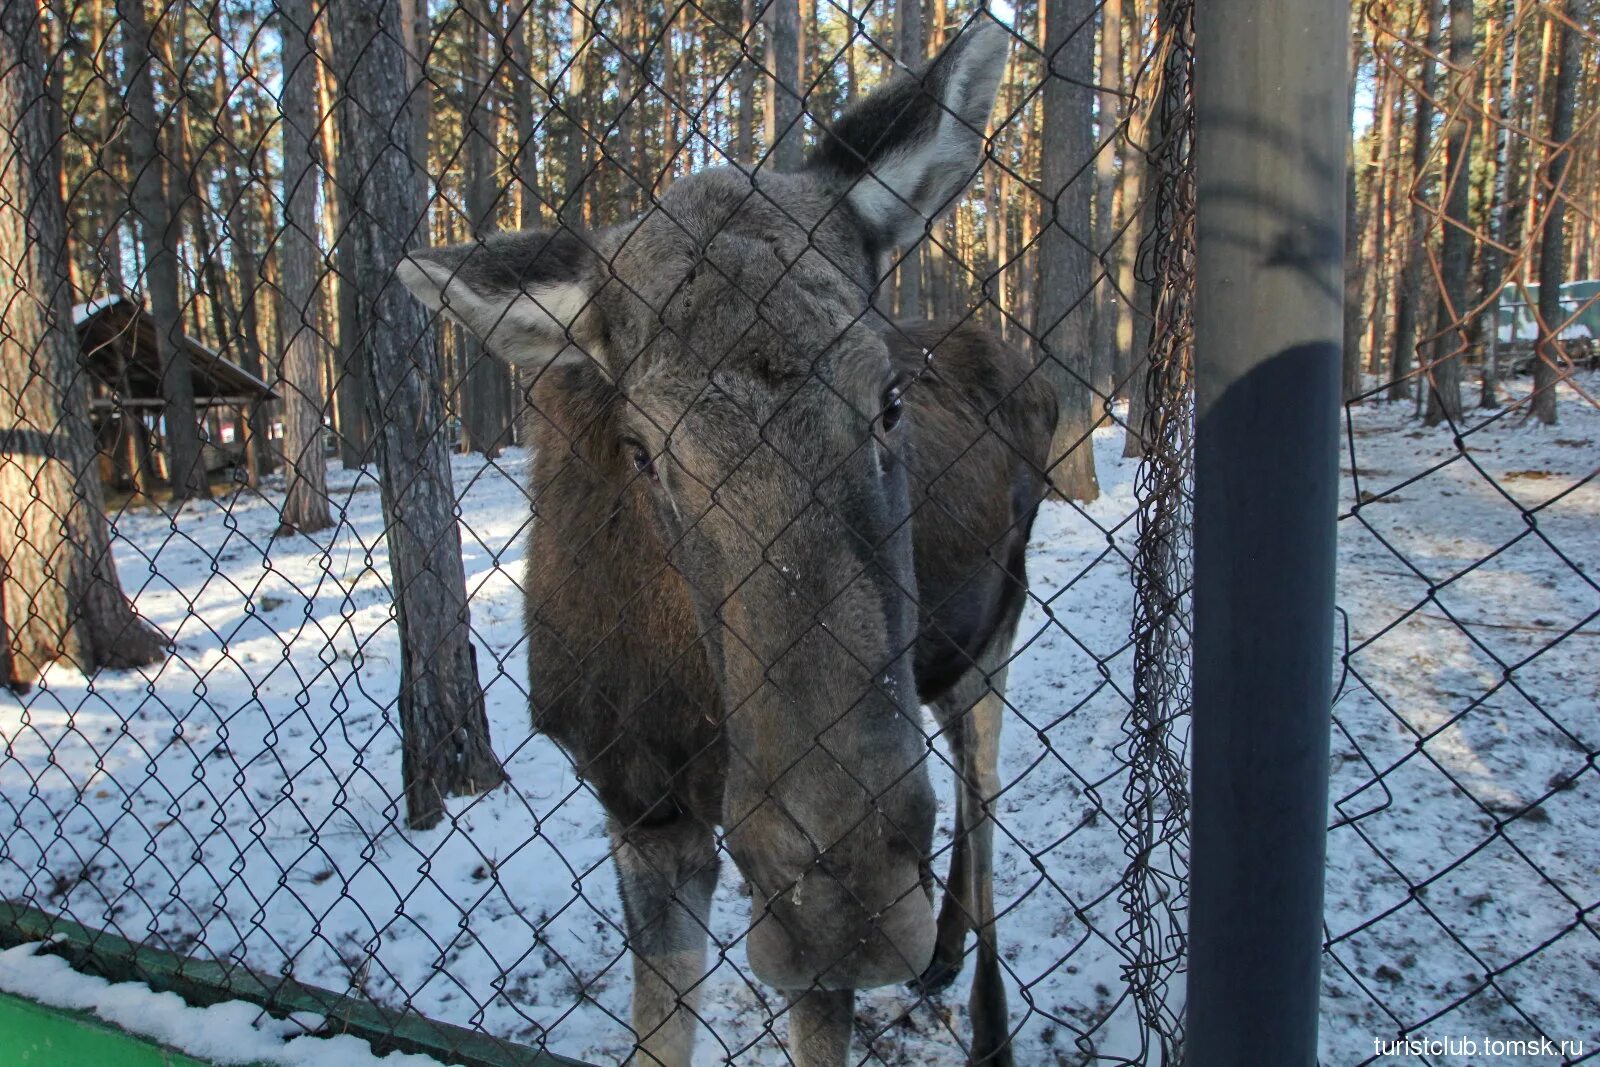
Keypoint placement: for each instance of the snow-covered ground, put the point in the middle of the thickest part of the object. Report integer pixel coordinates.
(1463, 863)
(240, 801)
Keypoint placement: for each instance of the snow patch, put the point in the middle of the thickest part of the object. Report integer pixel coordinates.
(233, 1032)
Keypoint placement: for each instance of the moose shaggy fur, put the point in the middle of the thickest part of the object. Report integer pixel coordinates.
(771, 525)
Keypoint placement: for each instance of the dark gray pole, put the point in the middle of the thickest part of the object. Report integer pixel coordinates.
(1271, 85)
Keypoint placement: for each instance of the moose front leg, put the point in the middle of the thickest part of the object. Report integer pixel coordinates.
(666, 874)
(820, 1021)
(971, 716)
(991, 1022)
(955, 912)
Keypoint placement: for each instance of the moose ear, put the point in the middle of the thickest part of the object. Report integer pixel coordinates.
(527, 295)
(904, 153)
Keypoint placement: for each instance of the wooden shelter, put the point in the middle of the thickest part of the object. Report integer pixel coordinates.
(118, 340)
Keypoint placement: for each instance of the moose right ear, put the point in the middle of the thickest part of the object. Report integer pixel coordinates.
(528, 296)
(902, 154)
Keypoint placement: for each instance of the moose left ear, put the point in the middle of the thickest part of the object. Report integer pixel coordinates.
(527, 295)
(904, 153)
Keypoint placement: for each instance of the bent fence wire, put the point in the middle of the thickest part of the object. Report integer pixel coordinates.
(299, 800)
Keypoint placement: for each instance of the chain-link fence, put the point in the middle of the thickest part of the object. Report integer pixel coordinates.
(785, 383)
(324, 793)
(1460, 898)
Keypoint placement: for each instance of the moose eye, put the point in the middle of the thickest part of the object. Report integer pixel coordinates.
(892, 406)
(640, 456)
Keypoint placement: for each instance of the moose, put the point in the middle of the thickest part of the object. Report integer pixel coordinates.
(770, 526)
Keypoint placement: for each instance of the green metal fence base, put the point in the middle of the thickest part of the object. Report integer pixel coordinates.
(206, 982)
(56, 1037)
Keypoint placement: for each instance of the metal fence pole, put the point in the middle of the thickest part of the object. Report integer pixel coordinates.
(1271, 96)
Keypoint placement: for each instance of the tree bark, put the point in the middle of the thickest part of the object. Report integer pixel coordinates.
(1381, 218)
(349, 377)
(1538, 115)
(1409, 299)
(575, 111)
(1553, 241)
(1350, 366)
(785, 142)
(1498, 134)
(527, 75)
(305, 501)
(1455, 258)
(745, 148)
(160, 230)
(1134, 320)
(446, 747)
(61, 596)
(1110, 137)
(909, 50)
(1062, 321)
(485, 388)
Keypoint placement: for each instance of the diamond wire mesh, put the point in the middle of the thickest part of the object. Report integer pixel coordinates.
(1463, 749)
(241, 799)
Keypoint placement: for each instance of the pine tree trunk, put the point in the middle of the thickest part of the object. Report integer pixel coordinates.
(574, 111)
(160, 227)
(1496, 121)
(61, 597)
(746, 78)
(305, 501)
(486, 379)
(446, 747)
(908, 49)
(1538, 116)
(526, 74)
(1455, 257)
(1064, 309)
(1134, 322)
(246, 243)
(1382, 218)
(1414, 274)
(1553, 240)
(349, 393)
(1350, 366)
(785, 139)
(1107, 302)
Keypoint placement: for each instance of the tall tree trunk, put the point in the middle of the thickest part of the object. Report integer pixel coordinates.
(446, 748)
(746, 79)
(1498, 133)
(784, 138)
(485, 387)
(248, 239)
(1064, 309)
(1107, 303)
(113, 176)
(349, 373)
(1414, 274)
(1134, 322)
(909, 49)
(1382, 217)
(160, 225)
(575, 112)
(527, 75)
(1538, 116)
(305, 501)
(1350, 376)
(625, 161)
(1553, 240)
(1455, 258)
(60, 594)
